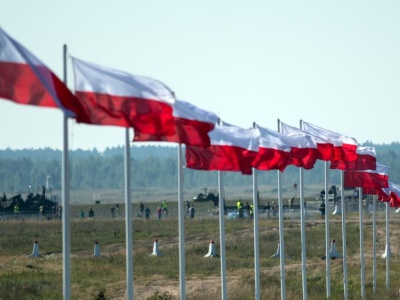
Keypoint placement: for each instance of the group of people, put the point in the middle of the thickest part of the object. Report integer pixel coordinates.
(248, 207)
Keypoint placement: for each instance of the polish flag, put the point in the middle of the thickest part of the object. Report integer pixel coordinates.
(368, 178)
(345, 147)
(325, 148)
(24, 79)
(232, 149)
(303, 151)
(366, 160)
(192, 125)
(121, 99)
(273, 152)
(390, 194)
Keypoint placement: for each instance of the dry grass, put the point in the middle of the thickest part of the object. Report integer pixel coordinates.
(24, 277)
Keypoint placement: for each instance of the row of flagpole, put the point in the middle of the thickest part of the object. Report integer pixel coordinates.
(128, 228)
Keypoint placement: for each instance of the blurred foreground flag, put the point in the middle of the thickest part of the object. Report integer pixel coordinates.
(24, 79)
(378, 178)
(344, 147)
(232, 149)
(121, 99)
(192, 125)
(366, 160)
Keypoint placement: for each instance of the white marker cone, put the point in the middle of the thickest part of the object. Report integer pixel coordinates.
(35, 251)
(337, 210)
(156, 252)
(333, 253)
(96, 251)
(388, 252)
(277, 254)
(211, 250)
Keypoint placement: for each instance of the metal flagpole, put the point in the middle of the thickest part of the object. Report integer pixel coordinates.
(222, 236)
(327, 239)
(303, 237)
(360, 209)
(281, 234)
(303, 233)
(388, 252)
(281, 239)
(66, 237)
(256, 241)
(128, 219)
(181, 218)
(345, 279)
(374, 245)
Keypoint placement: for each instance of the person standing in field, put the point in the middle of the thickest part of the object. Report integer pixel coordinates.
(192, 211)
(164, 207)
(239, 205)
(159, 212)
(147, 212)
(251, 212)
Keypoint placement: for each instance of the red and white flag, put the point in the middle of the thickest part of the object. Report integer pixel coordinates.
(24, 79)
(232, 149)
(273, 152)
(366, 160)
(345, 147)
(378, 178)
(390, 194)
(325, 148)
(121, 99)
(192, 125)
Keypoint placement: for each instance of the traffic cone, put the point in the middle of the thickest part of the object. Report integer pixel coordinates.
(35, 251)
(387, 251)
(278, 253)
(333, 252)
(96, 251)
(337, 210)
(156, 252)
(211, 251)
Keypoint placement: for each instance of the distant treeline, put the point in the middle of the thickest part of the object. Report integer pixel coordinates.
(151, 166)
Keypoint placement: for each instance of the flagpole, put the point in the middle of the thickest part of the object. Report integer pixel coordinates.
(281, 234)
(360, 209)
(128, 219)
(181, 222)
(374, 245)
(303, 237)
(222, 236)
(327, 239)
(388, 252)
(345, 279)
(65, 200)
(281, 239)
(303, 233)
(256, 240)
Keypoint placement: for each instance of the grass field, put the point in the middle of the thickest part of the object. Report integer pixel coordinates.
(24, 277)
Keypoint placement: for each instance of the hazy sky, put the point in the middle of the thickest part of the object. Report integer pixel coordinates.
(334, 64)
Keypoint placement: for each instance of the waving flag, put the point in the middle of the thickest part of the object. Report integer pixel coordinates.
(273, 152)
(366, 160)
(232, 149)
(345, 147)
(121, 99)
(390, 194)
(325, 148)
(192, 125)
(24, 79)
(367, 179)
